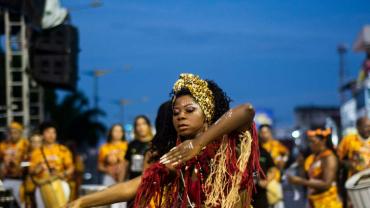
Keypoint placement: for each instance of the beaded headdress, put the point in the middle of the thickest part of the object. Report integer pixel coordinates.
(199, 90)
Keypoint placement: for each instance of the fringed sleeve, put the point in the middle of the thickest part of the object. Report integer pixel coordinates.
(155, 189)
(232, 173)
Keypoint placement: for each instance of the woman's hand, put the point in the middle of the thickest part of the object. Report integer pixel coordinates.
(263, 183)
(181, 153)
(74, 204)
(296, 180)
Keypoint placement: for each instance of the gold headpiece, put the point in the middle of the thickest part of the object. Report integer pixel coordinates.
(16, 125)
(199, 90)
(319, 132)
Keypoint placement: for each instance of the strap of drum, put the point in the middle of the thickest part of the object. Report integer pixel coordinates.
(46, 161)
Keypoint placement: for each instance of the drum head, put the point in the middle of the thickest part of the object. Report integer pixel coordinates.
(359, 181)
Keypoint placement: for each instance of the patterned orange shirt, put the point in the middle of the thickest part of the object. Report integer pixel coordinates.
(354, 148)
(11, 155)
(112, 153)
(277, 150)
(58, 157)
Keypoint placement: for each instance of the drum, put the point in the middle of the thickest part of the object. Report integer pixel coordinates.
(7, 199)
(89, 189)
(55, 193)
(358, 187)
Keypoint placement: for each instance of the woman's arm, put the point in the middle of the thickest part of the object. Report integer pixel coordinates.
(117, 193)
(329, 173)
(236, 119)
(68, 172)
(101, 167)
(125, 165)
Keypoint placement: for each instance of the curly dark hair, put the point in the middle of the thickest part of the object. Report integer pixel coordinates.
(46, 125)
(166, 135)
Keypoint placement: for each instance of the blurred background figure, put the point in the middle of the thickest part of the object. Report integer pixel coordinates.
(12, 152)
(52, 166)
(321, 169)
(134, 159)
(76, 180)
(260, 196)
(354, 149)
(28, 187)
(111, 155)
(111, 158)
(280, 154)
(354, 152)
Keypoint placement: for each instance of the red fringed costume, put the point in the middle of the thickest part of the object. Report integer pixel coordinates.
(227, 164)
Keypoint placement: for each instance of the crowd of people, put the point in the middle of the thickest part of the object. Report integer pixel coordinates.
(42, 173)
(203, 154)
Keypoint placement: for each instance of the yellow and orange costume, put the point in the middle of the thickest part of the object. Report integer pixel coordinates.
(77, 179)
(314, 169)
(55, 160)
(111, 155)
(356, 149)
(12, 154)
(58, 157)
(279, 154)
(27, 192)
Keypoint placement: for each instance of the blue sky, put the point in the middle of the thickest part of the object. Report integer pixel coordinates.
(274, 54)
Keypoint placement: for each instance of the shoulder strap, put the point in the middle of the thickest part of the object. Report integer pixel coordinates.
(46, 161)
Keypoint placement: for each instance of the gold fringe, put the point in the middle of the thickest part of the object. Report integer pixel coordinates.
(218, 179)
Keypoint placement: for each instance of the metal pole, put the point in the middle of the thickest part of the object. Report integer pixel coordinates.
(96, 99)
(342, 50)
(25, 78)
(8, 74)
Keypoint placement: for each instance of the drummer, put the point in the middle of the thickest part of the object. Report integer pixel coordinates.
(321, 168)
(28, 187)
(354, 149)
(51, 161)
(12, 152)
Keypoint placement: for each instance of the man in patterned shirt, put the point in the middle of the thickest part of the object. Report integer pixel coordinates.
(354, 149)
(12, 152)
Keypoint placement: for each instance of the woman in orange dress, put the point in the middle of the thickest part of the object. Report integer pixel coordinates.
(321, 168)
(111, 155)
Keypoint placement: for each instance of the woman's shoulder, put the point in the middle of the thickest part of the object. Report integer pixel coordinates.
(122, 144)
(60, 148)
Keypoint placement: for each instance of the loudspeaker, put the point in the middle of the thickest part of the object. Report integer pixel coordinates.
(54, 56)
(55, 70)
(61, 39)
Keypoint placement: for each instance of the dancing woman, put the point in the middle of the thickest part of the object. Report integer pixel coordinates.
(208, 158)
(321, 168)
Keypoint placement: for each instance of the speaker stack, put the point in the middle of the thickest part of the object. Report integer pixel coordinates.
(54, 57)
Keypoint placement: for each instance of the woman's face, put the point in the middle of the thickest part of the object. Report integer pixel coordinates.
(36, 141)
(188, 117)
(142, 128)
(315, 144)
(265, 134)
(117, 133)
(50, 135)
(15, 134)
